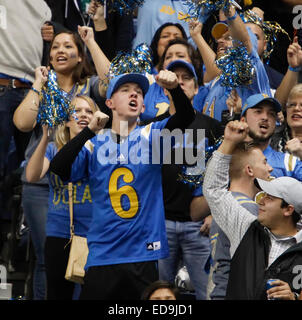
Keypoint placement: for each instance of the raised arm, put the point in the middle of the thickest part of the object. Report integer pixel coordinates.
(184, 112)
(294, 59)
(62, 162)
(206, 52)
(26, 113)
(231, 217)
(38, 164)
(238, 29)
(100, 61)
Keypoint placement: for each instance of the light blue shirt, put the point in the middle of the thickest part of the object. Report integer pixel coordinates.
(154, 13)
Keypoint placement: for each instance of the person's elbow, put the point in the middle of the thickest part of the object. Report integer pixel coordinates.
(22, 125)
(199, 208)
(31, 177)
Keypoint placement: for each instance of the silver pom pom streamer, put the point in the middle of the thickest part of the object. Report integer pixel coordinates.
(237, 68)
(138, 60)
(124, 7)
(55, 107)
(271, 30)
(202, 9)
(187, 175)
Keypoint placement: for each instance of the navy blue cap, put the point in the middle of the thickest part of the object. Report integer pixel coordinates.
(255, 99)
(183, 64)
(121, 79)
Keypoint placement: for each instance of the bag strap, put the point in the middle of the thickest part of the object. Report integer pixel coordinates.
(70, 202)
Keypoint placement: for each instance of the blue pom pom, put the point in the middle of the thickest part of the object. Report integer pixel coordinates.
(237, 68)
(202, 9)
(55, 105)
(187, 176)
(137, 61)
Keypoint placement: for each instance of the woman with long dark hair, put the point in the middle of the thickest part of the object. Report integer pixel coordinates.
(68, 59)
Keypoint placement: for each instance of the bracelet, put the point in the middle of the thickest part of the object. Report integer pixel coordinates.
(35, 90)
(295, 69)
(232, 17)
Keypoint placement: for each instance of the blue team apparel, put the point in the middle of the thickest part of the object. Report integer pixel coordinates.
(121, 79)
(215, 102)
(128, 223)
(255, 99)
(157, 102)
(154, 13)
(58, 218)
(284, 164)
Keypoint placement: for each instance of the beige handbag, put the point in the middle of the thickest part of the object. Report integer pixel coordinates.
(78, 250)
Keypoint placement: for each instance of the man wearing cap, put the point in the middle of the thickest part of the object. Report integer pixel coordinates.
(255, 25)
(127, 234)
(267, 247)
(188, 241)
(248, 162)
(215, 102)
(260, 113)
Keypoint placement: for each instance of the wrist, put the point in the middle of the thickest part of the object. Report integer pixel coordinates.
(35, 90)
(100, 25)
(232, 17)
(227, 147)
(294, 69)
(38, 85)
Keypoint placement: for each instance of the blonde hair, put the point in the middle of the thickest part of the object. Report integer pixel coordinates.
(295, 91)
(62, 133)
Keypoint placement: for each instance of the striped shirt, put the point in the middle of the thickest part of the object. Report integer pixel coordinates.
(231, 217)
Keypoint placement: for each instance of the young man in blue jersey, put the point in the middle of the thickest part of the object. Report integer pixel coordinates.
(127, 234)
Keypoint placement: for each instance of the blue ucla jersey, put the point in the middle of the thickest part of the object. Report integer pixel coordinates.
(58, 218)
(157, 102)
(284, 164)
(215, 102)
(154, 13)
(128, 223)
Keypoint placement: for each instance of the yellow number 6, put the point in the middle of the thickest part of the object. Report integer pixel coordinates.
(116, 194)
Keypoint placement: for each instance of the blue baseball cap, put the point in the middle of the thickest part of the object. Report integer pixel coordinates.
(121, 79)
(255, 99)
(183, 64)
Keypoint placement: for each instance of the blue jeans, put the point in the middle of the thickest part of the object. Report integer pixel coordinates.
(186, 243)
(35, 207)
(12, 141)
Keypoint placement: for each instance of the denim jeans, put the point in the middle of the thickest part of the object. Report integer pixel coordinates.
(12, 141)
(186, 243)
(35, 207)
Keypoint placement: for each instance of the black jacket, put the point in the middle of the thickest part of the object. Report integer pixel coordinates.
(249, 273)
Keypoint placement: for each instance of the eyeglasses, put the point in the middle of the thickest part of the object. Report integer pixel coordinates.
(293, 105)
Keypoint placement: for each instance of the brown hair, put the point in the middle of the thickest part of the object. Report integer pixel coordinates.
(62, 133)
(84, 68)
(193, 54)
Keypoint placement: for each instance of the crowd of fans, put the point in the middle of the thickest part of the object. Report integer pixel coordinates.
(231, 222)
